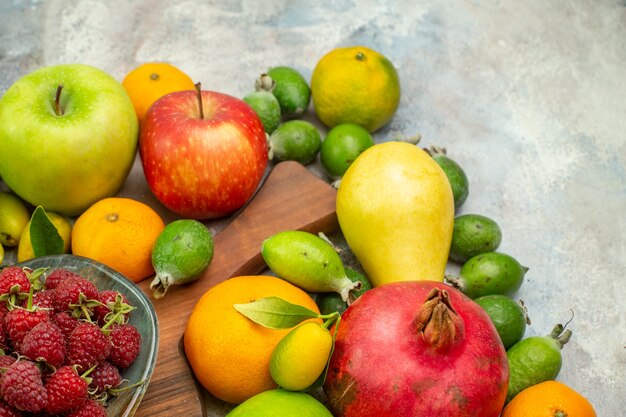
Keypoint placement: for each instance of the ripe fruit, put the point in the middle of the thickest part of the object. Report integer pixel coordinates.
(341, 147)
(474, 234)
(296, 140)
(508, 316)
(291, 90)
(229, 353)
(45, 342)
(120, 233)
(23, 388)
(454, 172)
(355, 85)
(126, 342)
(280, 403)
(13, 217)
(266, 106)
(151, 81)
(489, 273)
(301, 356)
(396, 211)
(87, 346)
(181, 253)
(419, 349)
(307, 261)
(536, 359)
(203, 153)
(25, 249)
(549, 399)
(68, 137)
(66, 390)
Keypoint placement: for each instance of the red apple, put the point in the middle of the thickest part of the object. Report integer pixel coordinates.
(202, 158)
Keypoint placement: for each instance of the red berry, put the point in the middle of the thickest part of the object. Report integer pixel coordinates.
(20, 321)
(7, 411)
(5, 363)
(45, 341)
(12, 276)
(67, 295)
(105, 377)
(87, 346)
(89, 408)
(66, 323)
(113, 302)
(126, 342)
(66, 390)
(3, 336)
(23, 388)
(58, 275)
(41, 299)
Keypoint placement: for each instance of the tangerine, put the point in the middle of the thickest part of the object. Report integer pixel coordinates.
(549, 399)
(149, 82)
(229, 353)
(120, 233)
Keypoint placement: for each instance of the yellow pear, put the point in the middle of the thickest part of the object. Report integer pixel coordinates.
(396, 210)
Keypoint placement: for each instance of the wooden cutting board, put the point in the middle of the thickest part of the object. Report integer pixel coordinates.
(291, 198)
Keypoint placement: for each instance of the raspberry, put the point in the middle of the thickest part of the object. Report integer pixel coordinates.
(5, 363)
(113, 302)
(3, 336)
(57, 276)
(126, 342)
(71, 293)
(20, 321)
(23, 388)
(65, 322)
(66, 390)
(105, 377)
(89, 408)
(41, 299)
(45, 341)
(7, 411)
(87, 346)
(12, 276)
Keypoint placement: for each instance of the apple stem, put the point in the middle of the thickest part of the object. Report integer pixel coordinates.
(57, 101)
(199, 91)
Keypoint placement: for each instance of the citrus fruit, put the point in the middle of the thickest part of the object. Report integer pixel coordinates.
(151, 81)
(182, 252)
(549, 399)
(13, 217)
(120, 233)
(266, 106)
(508, 317)
(341, 146)
(1, 254)
(472, 235)
(301, 356)
(355, 85)
(229, 353)
(295, 140)
(62, 224)
(454, 172)
(281, 403)
(291, 90)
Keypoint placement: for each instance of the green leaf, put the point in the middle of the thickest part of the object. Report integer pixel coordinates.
(44, 236)
(275, 313)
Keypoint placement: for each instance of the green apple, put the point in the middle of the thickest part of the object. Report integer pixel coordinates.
(68, 137)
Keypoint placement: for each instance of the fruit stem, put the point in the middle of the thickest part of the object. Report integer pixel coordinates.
(264, 83)
(561, 337)
(199, 95)
(57, 101)
(435, 150)
(560, 413)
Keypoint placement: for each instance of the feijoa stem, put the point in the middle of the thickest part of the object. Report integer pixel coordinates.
(199, 95)
(57, 101)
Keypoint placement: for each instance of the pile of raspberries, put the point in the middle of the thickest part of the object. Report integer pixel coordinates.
(63, 344)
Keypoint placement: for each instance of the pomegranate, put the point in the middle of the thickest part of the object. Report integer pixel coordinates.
(418, 349)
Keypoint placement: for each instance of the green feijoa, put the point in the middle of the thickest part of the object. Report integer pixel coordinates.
(508, 317)
(456, 176)
(331, 302)
(266, 107)
(181, 253)
(291, 90)
(342, 145)
(489, 273)
(472, 235)
(295, 140)
(307, 261)
(535, 359)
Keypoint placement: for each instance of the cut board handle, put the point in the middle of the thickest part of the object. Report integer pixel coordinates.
(291, 198)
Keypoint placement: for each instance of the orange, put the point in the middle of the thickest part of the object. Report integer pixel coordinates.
(229, 353)
(355, 85)
(120, 233)
(549, 399)
(149, 82)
